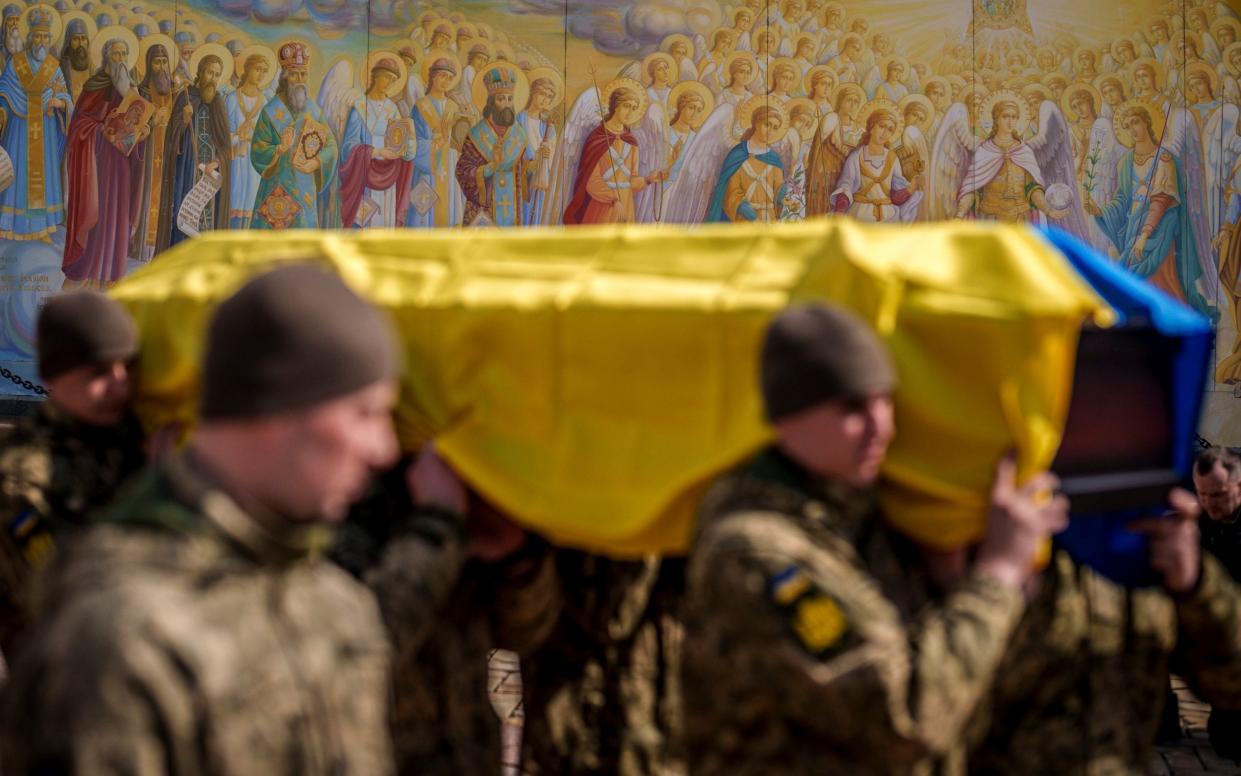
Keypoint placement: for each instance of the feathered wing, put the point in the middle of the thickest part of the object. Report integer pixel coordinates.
(1182, 140)
(689, 71)
(583, 118)
(1053, 149)
(871, 82)
(915, 158)
(653, 149)
(1221, 145)
(690, 196)
(1103, 156)
(337, 95)
(950, 161)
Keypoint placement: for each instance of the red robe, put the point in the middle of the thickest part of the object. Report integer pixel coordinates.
(362, 171)
(105, 191)
(596, 145)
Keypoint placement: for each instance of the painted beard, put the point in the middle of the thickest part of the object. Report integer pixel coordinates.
(297, 97)
(13, 41)
(207, 91)
(503, 117)
(38, 53)
(79, 58)
(119, 74)
(162, 82)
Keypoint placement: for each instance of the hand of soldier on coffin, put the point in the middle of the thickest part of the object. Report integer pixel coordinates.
(433, 483)
(1020, 520)
(1174, 542)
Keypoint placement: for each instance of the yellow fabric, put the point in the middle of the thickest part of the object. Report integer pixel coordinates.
(592, 381)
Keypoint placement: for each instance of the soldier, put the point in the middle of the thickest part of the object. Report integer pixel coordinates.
(70, 455)
(811, 646)
(195, 628)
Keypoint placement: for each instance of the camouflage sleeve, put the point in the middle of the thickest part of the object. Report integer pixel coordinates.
(416, 573)
(1209, 636)
(813, 638)
(528, 599)
(25, 536)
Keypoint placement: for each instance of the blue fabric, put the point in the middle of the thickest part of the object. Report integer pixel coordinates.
(1101, 541)
(736, 157)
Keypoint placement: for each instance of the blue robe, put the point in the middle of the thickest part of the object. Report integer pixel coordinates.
(1122, 220)
(311, 191)
(732, 163)
(533, 207)
(34, 205)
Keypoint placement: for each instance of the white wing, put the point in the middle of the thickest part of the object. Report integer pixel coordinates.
(688, 199)
(1103, 156)
(1221, 145)
(337, 95)
(871, 82)
(1053, 148)
(789, 149)
(583, 118)
(653, 151)
(950, 161)
(1182, 140)
(688, 71)
(700, 47)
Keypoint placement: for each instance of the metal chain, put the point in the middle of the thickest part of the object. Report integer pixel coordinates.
(23, 382)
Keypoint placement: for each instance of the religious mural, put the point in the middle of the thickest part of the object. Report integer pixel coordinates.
(129, 126)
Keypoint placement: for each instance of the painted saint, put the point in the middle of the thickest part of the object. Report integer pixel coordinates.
(751, 182)
(438, 200)
(491, 169)
(199, 143)
(377, 152)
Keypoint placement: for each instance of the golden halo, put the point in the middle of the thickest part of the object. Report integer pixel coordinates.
(549, 74)
(397, 86)
(433, 56)
(205, 49)
(1227, 57)
(676, 37)
(745, 111)
(115, 32)
(927, 105)
(839, 92)
(1156, 68)
(877, 105)
(733, 57)
(808, 82)
(887, 62)
(1226, 22)
(804, 103)
(983, 119)
(1203, 67)
(1076, 88)
(738, 11)
(259, 50)
(942, 81)
(1113, 77)
(1191, 37)
(698, 88)
(782, 63)
(1158, 120)
(802, 37)
(478, 43)
(628, 83)
(150, 41)
(757, 31)
(91, 28)
(58, 24)
(521, 87)
(1037, 88)
(659, 56)
(467, 27)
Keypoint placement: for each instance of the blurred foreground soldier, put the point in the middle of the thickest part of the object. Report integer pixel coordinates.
(69, 456)
(451, 589)
(602, 694)
(1081, 688)
(194, 629)
(811, 646)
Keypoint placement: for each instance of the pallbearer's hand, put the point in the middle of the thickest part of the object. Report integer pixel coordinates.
(432, 482)
(1175, 551)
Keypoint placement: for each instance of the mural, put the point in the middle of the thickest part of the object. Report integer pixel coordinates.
(129, 126)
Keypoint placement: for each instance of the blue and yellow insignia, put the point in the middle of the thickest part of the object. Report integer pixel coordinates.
(789, 585)
(819, 623)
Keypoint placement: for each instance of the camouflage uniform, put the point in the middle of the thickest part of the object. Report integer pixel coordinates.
(1080, 689)
(811, 646)
(443, 622)
(53, 471)
(181, 637)
(602, 695)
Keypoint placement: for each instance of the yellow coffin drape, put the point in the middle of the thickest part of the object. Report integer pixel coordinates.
(591, 381)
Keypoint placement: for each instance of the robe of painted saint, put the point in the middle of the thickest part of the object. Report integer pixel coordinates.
(538, 171)
(105, 191)
(34, 138)
(154, 196)
(384, 183)
(606, 180)
(1002, 182)
(1150, 197)
(243, 117)
(202, 141)
(492, 173)
(435, 162)
(875, 190)
(287, 197)
(1229, 369)
(833, 141)
(750, 188)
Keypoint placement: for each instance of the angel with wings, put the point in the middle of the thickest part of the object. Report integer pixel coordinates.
(1155, 217)
(694, 173)
(1222, 141)
(436, 198)
(838, 134)
(751, 184)
(872, 186)
(1006, 177)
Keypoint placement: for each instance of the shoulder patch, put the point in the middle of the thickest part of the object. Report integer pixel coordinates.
(816, 618)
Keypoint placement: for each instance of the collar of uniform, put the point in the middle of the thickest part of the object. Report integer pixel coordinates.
(194, 486)
(821, 501)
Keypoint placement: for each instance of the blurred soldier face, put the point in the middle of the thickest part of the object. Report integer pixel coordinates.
(842, 440)
(97, 394)
(327, 455)
(1220, 494)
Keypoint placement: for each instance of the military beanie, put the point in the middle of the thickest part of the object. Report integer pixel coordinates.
(83, 328)
(814, 353)
(290, 339)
